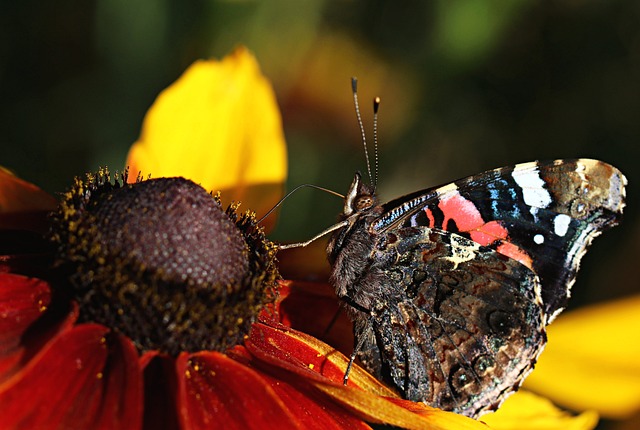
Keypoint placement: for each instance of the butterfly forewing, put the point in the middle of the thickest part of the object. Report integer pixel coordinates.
(543, 214)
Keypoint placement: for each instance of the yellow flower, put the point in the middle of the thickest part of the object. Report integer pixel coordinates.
(218, 125)
(526, 411)
(592, 360)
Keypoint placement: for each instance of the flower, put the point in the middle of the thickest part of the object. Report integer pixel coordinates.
(595, 346)
(233, 102)
(123, 320)
(527, 411)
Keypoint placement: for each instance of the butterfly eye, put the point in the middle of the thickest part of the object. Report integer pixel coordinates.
(363, 202)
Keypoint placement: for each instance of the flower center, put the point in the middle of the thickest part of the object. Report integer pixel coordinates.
(161, 262)
(173, 226)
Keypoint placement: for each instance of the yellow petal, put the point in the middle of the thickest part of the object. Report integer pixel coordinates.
(218, 125)
(527, 411)
(17, 195)
(592, 360)
(380, 410)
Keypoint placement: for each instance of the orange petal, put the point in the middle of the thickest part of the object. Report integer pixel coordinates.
(324, 367)
(526, 411)
(218, 125)
(17, 195)
(22, 204)
(592, 360)
(380, 410)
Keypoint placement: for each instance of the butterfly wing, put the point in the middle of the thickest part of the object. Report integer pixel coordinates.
(450, 288)
(542, 214)
(455, 324)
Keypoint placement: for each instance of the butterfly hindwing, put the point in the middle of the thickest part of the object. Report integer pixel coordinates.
(462, 328)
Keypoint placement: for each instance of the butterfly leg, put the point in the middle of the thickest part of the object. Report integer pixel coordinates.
(357, 348)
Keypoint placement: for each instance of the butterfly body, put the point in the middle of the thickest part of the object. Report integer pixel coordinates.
(450, 288)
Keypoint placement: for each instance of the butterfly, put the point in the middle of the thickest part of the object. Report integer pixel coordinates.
(450, 288)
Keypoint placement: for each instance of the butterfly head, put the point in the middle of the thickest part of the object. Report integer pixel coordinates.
(360, 197)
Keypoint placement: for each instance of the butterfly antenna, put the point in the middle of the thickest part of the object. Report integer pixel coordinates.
(354, 89)
(326, 190)
(376, 106)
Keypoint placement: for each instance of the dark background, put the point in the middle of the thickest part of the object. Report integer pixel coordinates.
(466, 86)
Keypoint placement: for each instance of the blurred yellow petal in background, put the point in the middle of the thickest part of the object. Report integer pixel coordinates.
(592, 360)
(22, 204)
(218, 125)
(322, 86)
(527, 411)
(18, 195)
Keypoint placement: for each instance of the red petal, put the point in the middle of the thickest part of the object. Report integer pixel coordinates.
(80, 380)
(121, 406)
(22, 301)
(327, 321)
(215, 390)
(311, 408)
(24, 327)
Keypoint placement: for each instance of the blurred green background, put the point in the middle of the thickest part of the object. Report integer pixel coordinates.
(466, 86)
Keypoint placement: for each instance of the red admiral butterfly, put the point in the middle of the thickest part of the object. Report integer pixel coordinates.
(450, 288)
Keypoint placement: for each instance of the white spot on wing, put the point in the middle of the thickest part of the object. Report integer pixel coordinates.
(528, 179)
(561, 224)
(581, 168)
(447, 188)
(462, 250)
(534, 211)
(539, 239)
